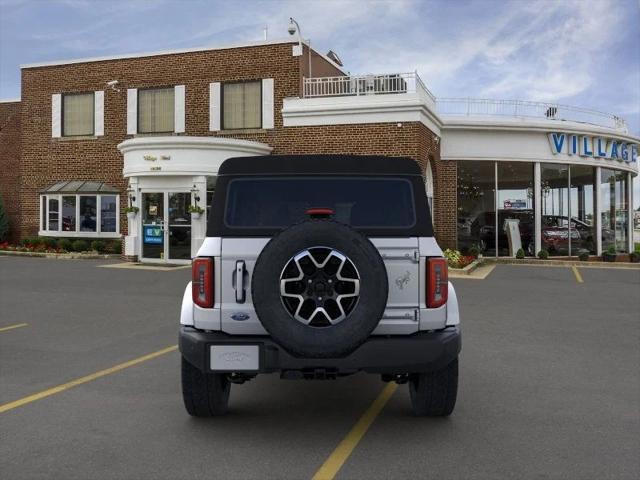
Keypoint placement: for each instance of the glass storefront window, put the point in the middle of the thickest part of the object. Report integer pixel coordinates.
(88, 214)
(614, 195)
(476, 207)
(108, 213)
(72, 215)
(69, 214)
(554, 185)
(53, 213)
(582, 206)
(516, 207)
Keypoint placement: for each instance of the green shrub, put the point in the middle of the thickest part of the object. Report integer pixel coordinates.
(114, 246)
(4, 223)
(583, 256)
(65, 244)
(520, 253)
(474, 251)
(611, 250)
(47, 242)
(35, 241)
(543, 254)
(80, 246)
(98, 245)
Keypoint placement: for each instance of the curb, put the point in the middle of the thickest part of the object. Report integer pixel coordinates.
(63, 256)
(564, 263)
(469, 269)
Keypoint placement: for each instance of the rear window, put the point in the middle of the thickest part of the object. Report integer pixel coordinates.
(362, 202)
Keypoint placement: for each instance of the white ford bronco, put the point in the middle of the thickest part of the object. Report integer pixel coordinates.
(316, 267)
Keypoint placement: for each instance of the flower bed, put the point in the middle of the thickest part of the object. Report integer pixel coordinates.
(455, 259)
(64, 245)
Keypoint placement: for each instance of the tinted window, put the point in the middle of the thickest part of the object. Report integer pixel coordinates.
(269, 202)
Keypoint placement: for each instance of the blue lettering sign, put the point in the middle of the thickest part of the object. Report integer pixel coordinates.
(153, 235)
(634, 153)
(601, 150)
(586, 149)
(557, 142)
(573, 148)
(624, 153)
(614, 150)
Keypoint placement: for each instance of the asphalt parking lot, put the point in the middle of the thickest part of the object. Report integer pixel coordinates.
(550, 386)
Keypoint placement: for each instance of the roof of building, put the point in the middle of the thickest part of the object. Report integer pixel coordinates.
(174, 52)
(319, 164)
(80, 186)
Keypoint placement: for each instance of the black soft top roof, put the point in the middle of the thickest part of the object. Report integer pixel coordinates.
(319, 164)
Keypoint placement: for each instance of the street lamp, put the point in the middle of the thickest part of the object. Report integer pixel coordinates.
(293, 28)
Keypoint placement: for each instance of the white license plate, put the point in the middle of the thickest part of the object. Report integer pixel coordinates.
(235, 358)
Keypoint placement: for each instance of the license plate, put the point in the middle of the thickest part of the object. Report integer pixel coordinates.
(234, 358)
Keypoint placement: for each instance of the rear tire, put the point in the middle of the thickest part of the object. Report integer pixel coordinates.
(434, 394)
(204, 394)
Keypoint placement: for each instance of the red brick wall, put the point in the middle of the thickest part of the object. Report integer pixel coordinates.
(10, 163)
(47, 160)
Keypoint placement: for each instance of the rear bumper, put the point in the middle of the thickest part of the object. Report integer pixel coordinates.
(420, 352)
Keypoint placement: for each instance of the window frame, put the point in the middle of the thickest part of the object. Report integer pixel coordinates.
(93, 116)
(44, 216)
(156, 132)
(235, 82)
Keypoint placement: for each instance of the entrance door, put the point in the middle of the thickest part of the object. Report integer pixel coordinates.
(166, 227)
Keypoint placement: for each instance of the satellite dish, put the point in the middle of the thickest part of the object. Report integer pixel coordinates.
(334, 57)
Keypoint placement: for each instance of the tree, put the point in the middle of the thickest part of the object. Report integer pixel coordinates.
(4, 222)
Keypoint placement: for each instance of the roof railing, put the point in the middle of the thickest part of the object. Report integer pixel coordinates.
(370, 84)
(479, 107)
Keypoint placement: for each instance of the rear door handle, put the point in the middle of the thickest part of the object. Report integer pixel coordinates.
(240, 290)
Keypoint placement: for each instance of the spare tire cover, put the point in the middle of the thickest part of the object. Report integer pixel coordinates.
(319, 288)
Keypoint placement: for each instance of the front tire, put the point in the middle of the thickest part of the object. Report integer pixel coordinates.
(204, 394)
(434, 394)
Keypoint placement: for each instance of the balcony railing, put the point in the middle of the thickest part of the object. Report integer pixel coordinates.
(357, 85)
(521, 108)
(399, 83)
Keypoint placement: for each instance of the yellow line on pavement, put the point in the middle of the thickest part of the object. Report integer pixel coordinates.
(334, 463)
(11, 327)
(577, 274)
(79, 381)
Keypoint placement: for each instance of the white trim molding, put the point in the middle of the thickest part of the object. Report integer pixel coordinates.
(396, 108)
(183, 155)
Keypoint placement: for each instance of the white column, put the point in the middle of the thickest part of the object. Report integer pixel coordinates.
(537, 188)
(598, 219)
(199, 226)
(132, 241)
(630, 211)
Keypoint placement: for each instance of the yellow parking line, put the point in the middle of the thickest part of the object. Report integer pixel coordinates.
(577, 274)
(79, 381)
(334, 463)
(11, 327)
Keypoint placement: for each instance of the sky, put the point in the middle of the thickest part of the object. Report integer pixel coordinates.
(576, 52)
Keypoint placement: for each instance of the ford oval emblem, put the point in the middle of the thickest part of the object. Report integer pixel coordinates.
(240, 316)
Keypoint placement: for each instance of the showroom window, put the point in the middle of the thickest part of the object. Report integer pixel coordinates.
(80, 209)
(516, 222)
(476, 207)
(582, 207)
(242, 105)
(156, 110)
(614, 194)
(78, 114)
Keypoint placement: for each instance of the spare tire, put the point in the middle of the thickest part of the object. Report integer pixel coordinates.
(319, 288)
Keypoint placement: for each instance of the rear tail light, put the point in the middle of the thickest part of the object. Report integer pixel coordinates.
(437, 282)
(202, 281)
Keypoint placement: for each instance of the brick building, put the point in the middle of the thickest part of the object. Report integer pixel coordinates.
(91, 137)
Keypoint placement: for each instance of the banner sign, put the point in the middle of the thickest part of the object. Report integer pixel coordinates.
(153, 235)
